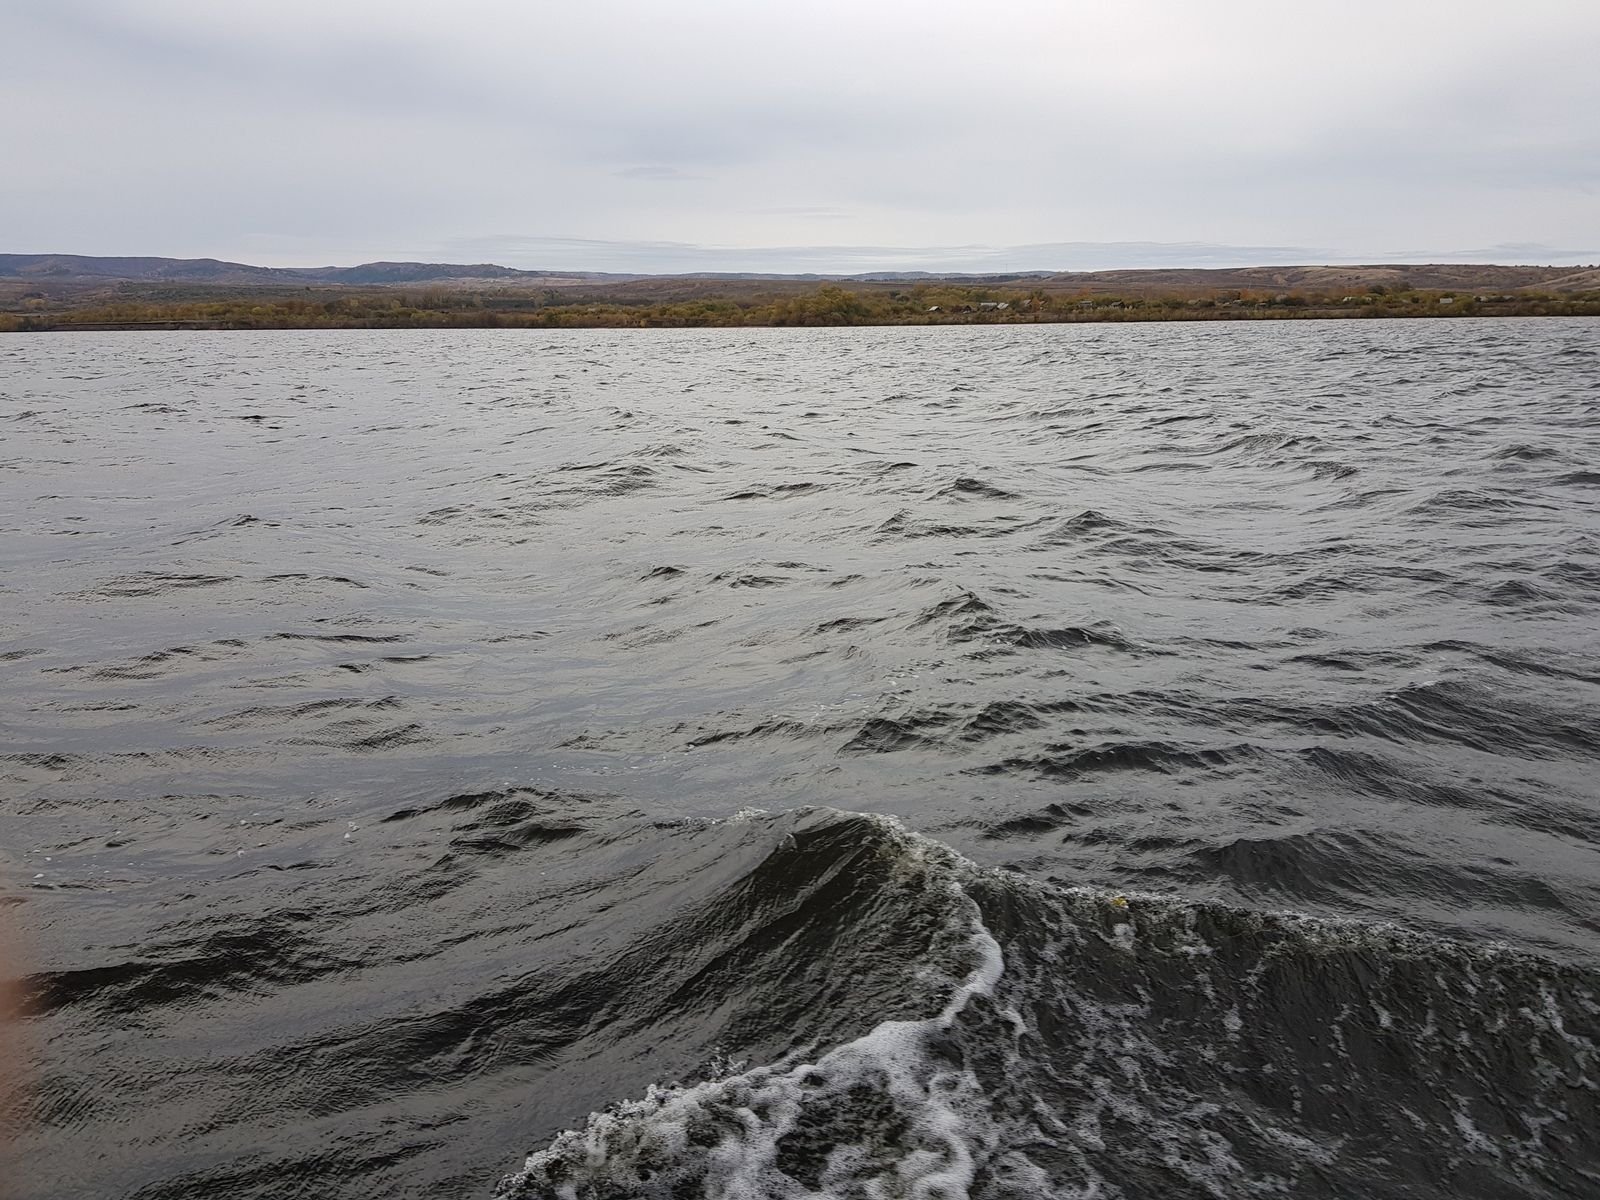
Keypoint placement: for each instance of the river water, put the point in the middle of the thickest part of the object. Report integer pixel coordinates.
(1079, 761)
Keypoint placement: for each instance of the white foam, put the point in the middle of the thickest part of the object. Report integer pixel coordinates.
(938, 1106)
(1116, 1085)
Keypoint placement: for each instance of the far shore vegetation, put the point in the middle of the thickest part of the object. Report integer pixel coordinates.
(827, 304)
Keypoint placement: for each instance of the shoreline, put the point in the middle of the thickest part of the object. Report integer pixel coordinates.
(414, 296)
(818, 310)
(575, 321)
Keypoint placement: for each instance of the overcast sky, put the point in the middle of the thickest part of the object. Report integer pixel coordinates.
(804, 135)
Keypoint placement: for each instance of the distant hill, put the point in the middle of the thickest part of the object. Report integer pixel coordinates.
(82, 267)
(1427, 275)
(64, 275)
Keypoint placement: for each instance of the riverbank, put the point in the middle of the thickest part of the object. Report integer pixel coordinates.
(47, 293)
(827, 304)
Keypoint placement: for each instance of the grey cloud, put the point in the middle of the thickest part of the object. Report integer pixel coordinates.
(351, 129)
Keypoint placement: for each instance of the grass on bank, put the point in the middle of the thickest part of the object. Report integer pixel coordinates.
(828, 305)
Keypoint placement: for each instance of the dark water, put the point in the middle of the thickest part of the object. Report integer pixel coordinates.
(415, 743)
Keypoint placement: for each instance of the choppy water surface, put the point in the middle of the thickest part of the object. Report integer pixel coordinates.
(384, 714)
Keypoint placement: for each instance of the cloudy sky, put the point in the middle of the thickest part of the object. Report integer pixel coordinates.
(814, 135)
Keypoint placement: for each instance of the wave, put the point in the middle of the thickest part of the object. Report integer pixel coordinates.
(141, 584)
(1099, 1045)
(811, 1003)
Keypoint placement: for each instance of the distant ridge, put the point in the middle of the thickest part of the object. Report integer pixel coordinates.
(79, 271)
(64, 267)
(83, 267)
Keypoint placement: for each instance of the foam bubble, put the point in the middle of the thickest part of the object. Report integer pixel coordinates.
(889, 1114)
(1096, 1046)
